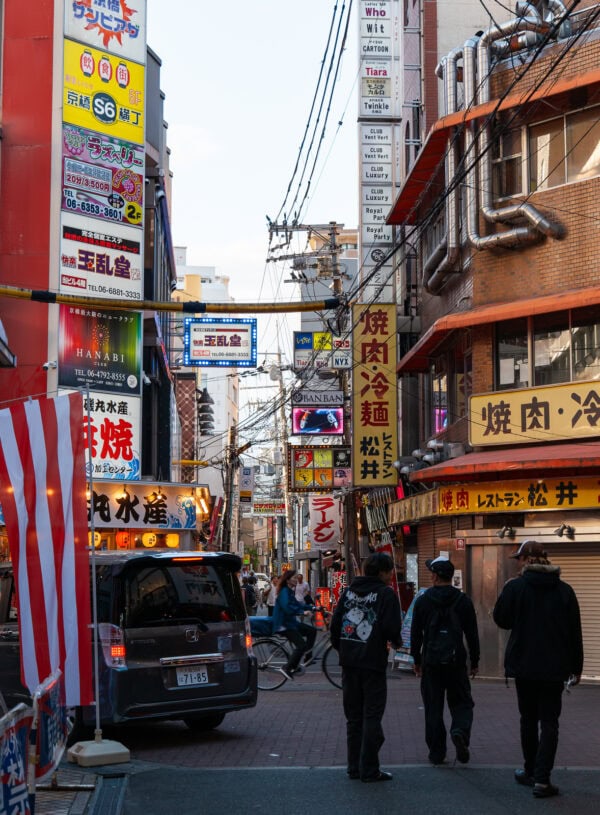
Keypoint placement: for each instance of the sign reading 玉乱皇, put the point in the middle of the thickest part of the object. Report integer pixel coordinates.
(219, 342)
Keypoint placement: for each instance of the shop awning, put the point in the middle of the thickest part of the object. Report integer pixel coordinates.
(417, 359)
(537, 461)
(405, 208)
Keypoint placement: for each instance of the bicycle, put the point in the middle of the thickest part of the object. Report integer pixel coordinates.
(273, 651)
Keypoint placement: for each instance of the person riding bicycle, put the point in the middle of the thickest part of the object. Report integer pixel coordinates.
(285, 621)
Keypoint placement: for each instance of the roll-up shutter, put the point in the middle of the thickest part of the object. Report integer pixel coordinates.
(580, 567)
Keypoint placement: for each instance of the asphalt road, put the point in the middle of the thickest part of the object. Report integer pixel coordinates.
(287, 756)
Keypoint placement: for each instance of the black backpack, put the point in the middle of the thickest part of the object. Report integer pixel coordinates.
(444, 636)
(250, 596)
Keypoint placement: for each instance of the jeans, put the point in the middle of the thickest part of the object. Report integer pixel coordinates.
(303, 638)
(364, 694)
(540, 704)
(451, 683)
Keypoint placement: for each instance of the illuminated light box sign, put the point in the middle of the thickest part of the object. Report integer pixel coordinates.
(321, 421)
(221, 342)
(319, 469)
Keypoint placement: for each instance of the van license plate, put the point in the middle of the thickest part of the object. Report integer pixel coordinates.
(192, 676)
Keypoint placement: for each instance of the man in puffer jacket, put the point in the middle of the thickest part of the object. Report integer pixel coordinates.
(545, 648)
(367, 617)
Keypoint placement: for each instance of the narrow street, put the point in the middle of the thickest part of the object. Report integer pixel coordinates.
(287, 755)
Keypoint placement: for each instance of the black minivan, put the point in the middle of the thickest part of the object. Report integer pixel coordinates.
(174, 639)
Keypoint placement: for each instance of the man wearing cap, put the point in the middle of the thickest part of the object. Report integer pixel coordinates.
(545, 648)
(445, 677)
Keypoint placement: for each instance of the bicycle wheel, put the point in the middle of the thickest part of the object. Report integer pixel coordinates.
(331, 666)
(270, 656)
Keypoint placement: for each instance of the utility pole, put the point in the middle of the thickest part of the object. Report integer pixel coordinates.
(348, 511)
(328, 234)
(232, 462)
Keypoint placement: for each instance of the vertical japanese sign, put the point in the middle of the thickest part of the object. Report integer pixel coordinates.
(375, 395)
(325, 521)
(102, 154)
(380, 105)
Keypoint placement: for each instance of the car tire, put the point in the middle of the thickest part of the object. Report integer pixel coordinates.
(199, 724)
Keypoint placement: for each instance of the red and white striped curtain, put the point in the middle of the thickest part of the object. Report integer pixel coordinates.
(43, 497)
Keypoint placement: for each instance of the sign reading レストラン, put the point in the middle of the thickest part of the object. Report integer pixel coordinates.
(520, 495)
(570, 411)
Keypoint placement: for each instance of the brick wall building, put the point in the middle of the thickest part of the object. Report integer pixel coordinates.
(503, 201)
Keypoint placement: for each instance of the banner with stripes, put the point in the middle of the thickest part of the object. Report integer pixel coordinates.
(43, 496)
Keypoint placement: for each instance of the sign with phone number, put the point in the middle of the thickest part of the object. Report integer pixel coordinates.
(102, 176)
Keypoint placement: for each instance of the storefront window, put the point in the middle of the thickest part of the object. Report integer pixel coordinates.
(551, 347)
(512, 355)
(585, 344)
(565, 347)
(439, 403)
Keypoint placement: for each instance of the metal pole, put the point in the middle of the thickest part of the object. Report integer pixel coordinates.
(98, 731)
(349, 525)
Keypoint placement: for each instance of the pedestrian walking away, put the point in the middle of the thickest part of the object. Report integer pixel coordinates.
(285, 621)
(544, 651)
(270, 594)
(366, 618)
(443, 617)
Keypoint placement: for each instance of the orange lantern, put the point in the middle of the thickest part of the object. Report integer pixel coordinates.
(123, 540)
(172, 540)
(149, 539)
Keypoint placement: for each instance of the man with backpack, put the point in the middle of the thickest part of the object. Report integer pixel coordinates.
(442, 618)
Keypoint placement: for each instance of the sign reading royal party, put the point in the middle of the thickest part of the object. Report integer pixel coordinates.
(102, 153)
(375, 395)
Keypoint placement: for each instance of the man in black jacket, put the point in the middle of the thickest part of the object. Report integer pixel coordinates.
(366, 618)
(545, 649)
(443, 609)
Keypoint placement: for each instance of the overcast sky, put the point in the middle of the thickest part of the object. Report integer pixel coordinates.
(239, 79)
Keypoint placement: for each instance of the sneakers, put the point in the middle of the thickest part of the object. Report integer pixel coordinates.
(287, 673)
(521, 777)
(544, 790)
(462, 749)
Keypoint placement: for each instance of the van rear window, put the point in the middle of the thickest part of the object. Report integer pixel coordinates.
(167, 592)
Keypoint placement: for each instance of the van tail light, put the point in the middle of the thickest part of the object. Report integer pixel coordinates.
(248, 638)
(112, 641)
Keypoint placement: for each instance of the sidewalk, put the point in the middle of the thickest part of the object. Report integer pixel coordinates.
(300, 729)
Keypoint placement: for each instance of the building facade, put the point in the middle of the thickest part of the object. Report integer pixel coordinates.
(501, 374)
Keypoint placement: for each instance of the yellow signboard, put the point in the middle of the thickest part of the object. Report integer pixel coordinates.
(374, 395)
(570, 411)
(103, 92)
(522, 495)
